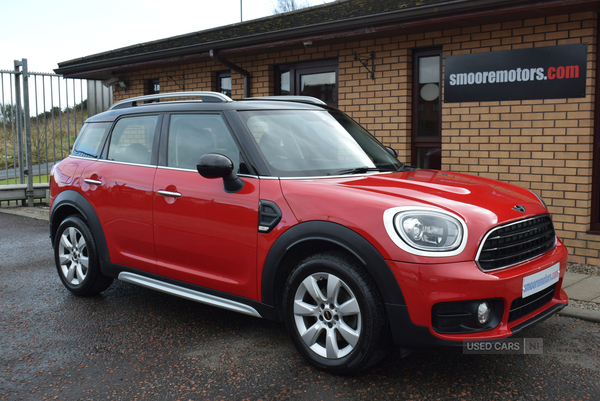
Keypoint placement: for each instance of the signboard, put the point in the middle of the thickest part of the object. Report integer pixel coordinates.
(554, 72)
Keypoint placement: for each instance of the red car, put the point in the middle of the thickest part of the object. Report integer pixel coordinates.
(289, 210)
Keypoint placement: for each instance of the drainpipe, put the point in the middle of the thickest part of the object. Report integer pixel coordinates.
(215, 56)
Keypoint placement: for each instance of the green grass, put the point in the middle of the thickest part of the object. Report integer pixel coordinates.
(36, 180)
(50, 138)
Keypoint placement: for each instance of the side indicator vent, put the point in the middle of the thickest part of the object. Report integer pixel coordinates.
(269, 216)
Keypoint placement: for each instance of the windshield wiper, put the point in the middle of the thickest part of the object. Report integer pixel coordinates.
(80, 152)
(361, 170)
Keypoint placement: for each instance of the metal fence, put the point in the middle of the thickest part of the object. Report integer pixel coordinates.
(40, 117)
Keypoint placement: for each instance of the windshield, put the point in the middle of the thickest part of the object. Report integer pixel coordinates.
(300, 143)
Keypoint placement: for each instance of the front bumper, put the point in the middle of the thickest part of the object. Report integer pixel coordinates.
(426, 285)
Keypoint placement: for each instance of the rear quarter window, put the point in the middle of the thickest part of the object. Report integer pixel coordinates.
(91, 139)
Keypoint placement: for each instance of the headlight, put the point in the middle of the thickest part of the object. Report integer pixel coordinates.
(426, 231)
(429, 231)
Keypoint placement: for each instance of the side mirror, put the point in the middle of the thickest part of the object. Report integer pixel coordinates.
(392, 151)
(214, 165)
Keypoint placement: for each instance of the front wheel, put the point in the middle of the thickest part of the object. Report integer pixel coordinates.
(76, 258)
(334, 314)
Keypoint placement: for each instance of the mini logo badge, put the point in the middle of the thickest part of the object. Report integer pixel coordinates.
(519, 208)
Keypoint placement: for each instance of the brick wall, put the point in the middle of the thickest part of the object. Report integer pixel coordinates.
(543, 145)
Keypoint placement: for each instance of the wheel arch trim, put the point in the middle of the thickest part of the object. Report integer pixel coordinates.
(352, 242)
(74, 199)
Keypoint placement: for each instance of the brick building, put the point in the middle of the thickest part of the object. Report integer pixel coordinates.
(384, 63)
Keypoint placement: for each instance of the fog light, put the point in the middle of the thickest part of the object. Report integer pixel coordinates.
(483, 313)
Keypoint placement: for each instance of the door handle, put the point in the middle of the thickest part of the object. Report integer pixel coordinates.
(93, 182)
(169, 193)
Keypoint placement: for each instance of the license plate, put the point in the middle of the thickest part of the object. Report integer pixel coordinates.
(539, 281)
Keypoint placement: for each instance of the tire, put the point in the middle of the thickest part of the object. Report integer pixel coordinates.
(76, 258)
(334, 314)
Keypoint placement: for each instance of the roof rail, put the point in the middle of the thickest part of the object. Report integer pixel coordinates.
(289, 98)
(209, 97)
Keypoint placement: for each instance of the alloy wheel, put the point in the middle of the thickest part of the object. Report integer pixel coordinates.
(73, 256)
(327, 315)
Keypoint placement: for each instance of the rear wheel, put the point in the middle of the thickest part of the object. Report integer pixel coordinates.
(76, 258)
(334, 314)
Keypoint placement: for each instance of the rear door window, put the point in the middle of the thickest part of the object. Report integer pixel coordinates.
(132, 139)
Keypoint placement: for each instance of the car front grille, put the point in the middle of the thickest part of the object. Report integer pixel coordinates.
(517, 242)
(524, 306)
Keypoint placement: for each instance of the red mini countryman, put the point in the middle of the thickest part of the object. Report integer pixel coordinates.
(287, 209)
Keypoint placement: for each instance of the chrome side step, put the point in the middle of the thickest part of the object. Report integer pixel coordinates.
(186, 293)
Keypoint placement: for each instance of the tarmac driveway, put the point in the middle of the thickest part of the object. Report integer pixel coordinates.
(133, 343)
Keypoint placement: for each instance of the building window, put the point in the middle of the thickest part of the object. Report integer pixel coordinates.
(426, 127)
(317, 79)
(153, 86)
(224, 82)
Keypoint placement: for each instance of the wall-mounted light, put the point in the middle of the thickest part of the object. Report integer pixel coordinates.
(307, 43)
(115, 81)
(111, 81)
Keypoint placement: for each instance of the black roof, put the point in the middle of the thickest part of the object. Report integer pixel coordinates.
(199, 105)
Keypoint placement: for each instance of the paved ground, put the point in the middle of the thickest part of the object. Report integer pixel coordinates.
(132, 343)
(36, 169)
(582, 287)
(585, 290)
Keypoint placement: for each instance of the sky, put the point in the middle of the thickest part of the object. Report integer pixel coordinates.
(49, 32)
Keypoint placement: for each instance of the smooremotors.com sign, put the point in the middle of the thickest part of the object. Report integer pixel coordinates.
(554, 72)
